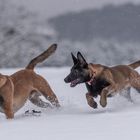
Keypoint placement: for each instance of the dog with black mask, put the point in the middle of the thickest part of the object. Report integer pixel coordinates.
(103, 80)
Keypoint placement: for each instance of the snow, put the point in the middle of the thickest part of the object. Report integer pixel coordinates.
(75, 119)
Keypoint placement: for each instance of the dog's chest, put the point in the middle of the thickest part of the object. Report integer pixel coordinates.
(97, 86)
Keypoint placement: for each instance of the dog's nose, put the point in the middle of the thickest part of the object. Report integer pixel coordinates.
(66, 80)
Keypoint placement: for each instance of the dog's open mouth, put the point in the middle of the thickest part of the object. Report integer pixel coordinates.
(74, 83)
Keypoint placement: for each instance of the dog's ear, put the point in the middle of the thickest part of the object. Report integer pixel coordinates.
(3, 80)
(81, 59)
(75, 61)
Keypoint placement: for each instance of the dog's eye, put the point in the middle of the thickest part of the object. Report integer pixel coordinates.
(76, 72)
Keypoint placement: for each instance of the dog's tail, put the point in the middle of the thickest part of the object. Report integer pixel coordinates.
(135, 64)
(40, 58)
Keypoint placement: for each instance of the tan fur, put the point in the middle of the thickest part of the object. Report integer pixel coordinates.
(119, 77)
(25, 84)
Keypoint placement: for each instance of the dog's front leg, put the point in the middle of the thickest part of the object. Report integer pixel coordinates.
(89, 97)
(106, 92)
(90, 100)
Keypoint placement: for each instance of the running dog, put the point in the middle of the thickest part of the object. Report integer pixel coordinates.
(25, 84)
(103, 80)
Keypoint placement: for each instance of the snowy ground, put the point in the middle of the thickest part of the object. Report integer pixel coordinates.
(120, 120)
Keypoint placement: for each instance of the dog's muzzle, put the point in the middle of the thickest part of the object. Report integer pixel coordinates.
(73, 82)
(66, 80)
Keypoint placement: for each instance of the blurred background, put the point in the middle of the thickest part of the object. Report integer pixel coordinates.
(106, 32)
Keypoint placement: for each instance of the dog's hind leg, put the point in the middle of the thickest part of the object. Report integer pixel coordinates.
(138, 90)
(36, 100)
(135, 83)
(50, 96)
(105, 93)
(44, 88)
(126, 94)
(8, 109)
(7, 98)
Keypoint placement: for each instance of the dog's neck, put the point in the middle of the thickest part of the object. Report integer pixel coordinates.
(95, 71)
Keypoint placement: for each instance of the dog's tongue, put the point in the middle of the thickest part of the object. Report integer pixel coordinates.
(74, 83)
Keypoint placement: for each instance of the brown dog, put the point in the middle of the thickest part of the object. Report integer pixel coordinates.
(119, 78)
(26, 84)
(102, 80)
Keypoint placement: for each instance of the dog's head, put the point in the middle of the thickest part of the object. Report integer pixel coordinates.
(79, 72)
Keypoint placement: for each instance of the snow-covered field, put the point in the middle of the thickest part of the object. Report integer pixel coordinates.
(120, 120)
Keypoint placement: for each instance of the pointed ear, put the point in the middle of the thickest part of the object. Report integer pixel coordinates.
(81, 59)
(75, 61)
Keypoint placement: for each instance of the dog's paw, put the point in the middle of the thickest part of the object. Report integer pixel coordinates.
(91, 101)
(103, 103)
(57, 105)
(32, 113)
(93, 104)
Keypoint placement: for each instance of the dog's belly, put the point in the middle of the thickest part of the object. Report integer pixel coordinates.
(1, 109)
(1, 103)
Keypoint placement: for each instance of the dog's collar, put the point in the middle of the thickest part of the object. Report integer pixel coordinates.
(91, 80)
